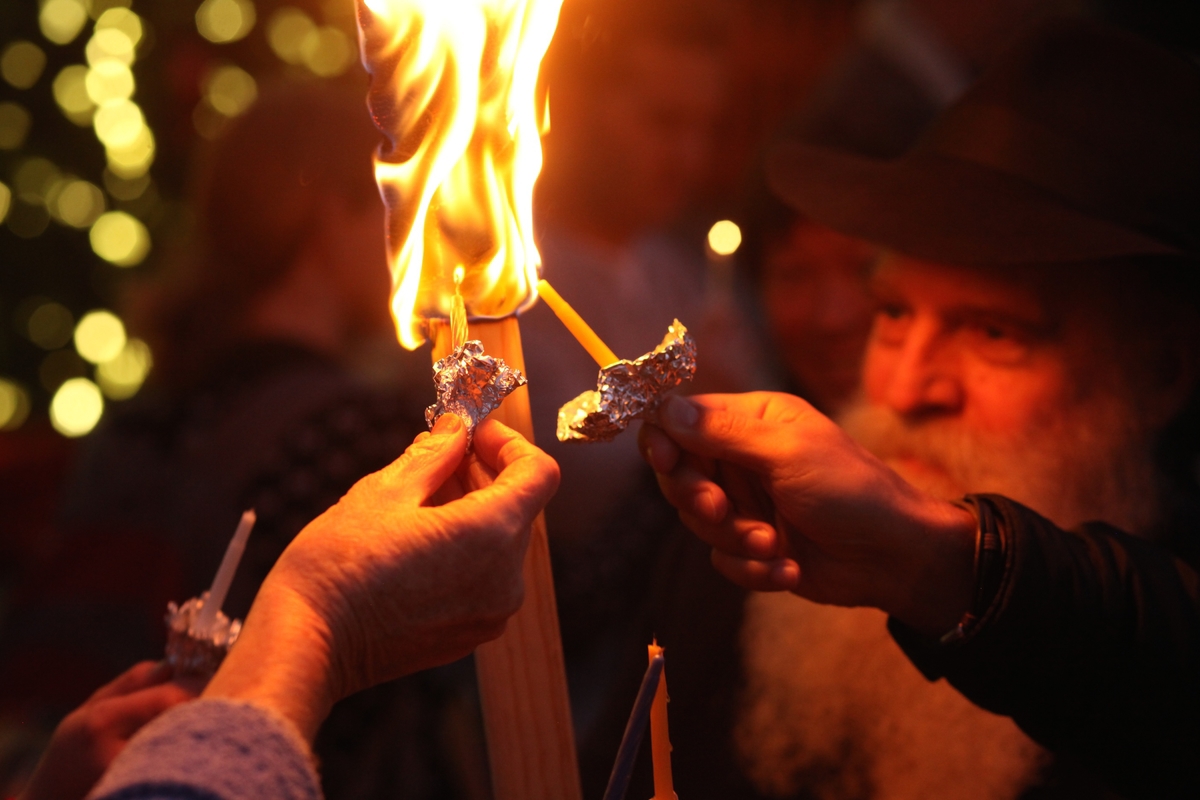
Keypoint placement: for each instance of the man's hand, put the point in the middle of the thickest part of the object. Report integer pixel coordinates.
(91, 736)
(416, 566)
(789, 502)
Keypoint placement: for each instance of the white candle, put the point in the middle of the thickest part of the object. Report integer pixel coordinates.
(229, 565)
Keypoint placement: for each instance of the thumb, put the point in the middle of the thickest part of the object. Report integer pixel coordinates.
(428, 462)
(722, 429)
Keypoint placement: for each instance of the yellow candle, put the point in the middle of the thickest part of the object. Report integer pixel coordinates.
(660, 739)
(458, 312)
(582, 332)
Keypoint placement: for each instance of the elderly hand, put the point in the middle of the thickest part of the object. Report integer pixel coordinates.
(91, 736)
(416, 566)
(789, 502)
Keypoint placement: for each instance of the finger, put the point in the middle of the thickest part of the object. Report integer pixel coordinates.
(139, 676)
(526, 478)
(657, 449)
(743, 429)
(691, 491)
(124, 716)
(738, 536)
(428, 462)
(778, 575)
(746, 493)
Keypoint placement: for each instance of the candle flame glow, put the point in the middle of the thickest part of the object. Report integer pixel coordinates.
(454, 86)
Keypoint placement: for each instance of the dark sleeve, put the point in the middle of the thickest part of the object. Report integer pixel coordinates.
(1092, 645)
(212, 750)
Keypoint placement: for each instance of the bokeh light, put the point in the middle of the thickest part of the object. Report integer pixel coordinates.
(224, 21)
(62, 20)
(122, 188)
(100, 336)
(287, 31)
(121, 377)
(124, 20)
(120, 239)
(14, 404)
(35, 178)
(50, 325)
(14, 125)
(724, 238)
(230, 90)
(131, 161)
(78, 203)
(5, 200)
(76, 407)
(110, 44)
(21, 64)
(328, 52)
(109, 81)
(71, 94)
(118, 124)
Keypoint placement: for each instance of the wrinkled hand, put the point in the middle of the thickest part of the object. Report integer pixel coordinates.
(789, 502)
(416, 566)
(91, 736)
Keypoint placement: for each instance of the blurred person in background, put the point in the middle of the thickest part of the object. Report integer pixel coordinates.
(278, 384)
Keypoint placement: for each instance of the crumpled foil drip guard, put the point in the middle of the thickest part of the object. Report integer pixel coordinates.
(192, 652)
(629, 390)
(471, 385)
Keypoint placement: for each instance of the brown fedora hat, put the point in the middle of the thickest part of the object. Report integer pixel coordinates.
(1082, 143)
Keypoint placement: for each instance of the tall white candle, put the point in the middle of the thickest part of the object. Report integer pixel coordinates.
(229, 565)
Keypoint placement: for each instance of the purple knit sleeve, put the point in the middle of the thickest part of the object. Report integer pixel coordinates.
(212, 750)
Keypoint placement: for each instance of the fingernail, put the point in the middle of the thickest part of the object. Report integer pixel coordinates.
(447, 425)
(681, 413)
(786, 575)
(760, 542)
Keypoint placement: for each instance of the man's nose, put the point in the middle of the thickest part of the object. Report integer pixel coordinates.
(925, 378)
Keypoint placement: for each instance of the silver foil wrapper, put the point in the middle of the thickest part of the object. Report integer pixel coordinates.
(192, 652)
(629, 390)
(471, 385)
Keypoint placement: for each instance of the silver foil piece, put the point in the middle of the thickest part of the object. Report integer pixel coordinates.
(193, 652)
(471, 385)
(629, 390)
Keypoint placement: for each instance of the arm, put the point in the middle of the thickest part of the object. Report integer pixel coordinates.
(415, 567)
(1092, 642)
(1092, 645)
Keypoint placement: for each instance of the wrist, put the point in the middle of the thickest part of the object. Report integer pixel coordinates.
(282, 661)
(938, 579)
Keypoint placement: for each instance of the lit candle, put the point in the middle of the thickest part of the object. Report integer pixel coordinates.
(660, 739)
(582, 332)
(458, 311)
(635, 729)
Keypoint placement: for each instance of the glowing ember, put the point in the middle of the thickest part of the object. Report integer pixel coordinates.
(454, 86)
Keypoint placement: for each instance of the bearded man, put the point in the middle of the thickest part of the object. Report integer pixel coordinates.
(1038, 343)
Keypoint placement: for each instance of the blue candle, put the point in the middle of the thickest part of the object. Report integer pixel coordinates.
(635, 729)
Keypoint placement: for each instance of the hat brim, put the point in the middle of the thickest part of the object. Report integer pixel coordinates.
(940, 209)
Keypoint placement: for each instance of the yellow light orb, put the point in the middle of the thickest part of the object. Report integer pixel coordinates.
(120, 239)
(22, 64)
(124, 20)
(121, 377)
(230, 90)
(35, 178)
(132, 161)
(76, 407)
(71, 94)
(724, 238)
(288, 32)
(109, 44)
(100, 336)
(78, 204)
(5, 200)
(14, 405)
(224, 21)
(109, 81)
(328, 51)
(118, 124)
(62, 20)
(50, 325)
(14, 126)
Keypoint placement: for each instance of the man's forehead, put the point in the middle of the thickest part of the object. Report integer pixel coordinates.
(1014, 290)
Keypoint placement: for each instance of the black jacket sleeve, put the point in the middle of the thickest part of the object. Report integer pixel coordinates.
(1092, 645)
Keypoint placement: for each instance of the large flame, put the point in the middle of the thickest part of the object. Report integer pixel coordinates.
(454, 86)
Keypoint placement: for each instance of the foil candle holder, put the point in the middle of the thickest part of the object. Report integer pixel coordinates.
(472, 385)
(191, 651)
(629, 390)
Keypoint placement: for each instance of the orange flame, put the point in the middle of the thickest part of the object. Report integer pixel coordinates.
(454, 86)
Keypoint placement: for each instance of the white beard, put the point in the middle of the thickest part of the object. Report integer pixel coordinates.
(833, 709)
